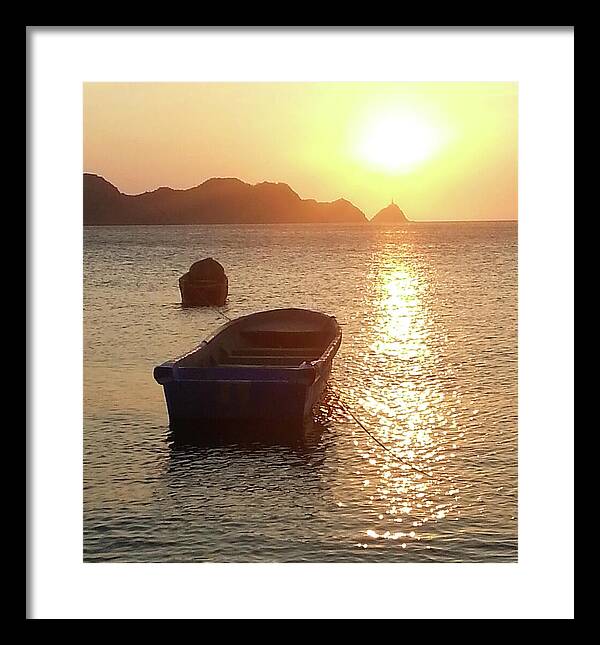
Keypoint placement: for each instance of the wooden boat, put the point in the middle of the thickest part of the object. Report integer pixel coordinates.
(269, 367)
(205, 284)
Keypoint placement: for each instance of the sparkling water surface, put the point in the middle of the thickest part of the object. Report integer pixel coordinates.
(428, 363)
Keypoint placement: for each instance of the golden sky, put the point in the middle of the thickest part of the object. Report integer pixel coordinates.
(442, 151)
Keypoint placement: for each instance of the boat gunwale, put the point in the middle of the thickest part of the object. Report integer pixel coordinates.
(262, 370)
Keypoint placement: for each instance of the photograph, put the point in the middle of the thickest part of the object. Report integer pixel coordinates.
(300, 322)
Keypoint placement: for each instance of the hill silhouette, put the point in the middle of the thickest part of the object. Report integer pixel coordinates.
(216, 201)
(390, 215)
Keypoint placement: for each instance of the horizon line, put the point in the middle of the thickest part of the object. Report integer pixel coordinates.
(412, 221)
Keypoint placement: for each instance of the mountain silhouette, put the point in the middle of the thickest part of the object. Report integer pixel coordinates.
(390, 215)
(216, 201)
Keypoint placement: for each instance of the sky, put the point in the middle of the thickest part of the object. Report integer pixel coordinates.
(441, 151)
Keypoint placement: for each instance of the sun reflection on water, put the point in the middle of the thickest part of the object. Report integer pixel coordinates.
(406, 403)
(401, 330)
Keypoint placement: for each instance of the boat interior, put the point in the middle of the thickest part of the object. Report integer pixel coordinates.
(281, 338)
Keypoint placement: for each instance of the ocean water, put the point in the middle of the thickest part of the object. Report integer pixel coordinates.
(428, 364)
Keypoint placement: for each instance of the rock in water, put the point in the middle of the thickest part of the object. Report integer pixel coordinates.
(390, 215)
(205, 284)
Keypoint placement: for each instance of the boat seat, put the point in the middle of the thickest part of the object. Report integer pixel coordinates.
(283, 361)
(280, 339)
(277, 351)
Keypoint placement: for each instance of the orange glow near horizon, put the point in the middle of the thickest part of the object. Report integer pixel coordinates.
(442, 151)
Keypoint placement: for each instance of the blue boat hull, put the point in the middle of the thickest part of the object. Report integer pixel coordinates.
(199, 394)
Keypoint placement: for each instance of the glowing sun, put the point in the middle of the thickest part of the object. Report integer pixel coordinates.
(398, 142)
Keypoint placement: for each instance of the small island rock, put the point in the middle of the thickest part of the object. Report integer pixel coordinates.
(390, 215)
(205, 284)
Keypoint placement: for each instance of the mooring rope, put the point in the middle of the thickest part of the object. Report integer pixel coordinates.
(214, 308)
(388, 450)
(225, 316)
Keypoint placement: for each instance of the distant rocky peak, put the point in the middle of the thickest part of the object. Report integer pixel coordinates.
(390, 215)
